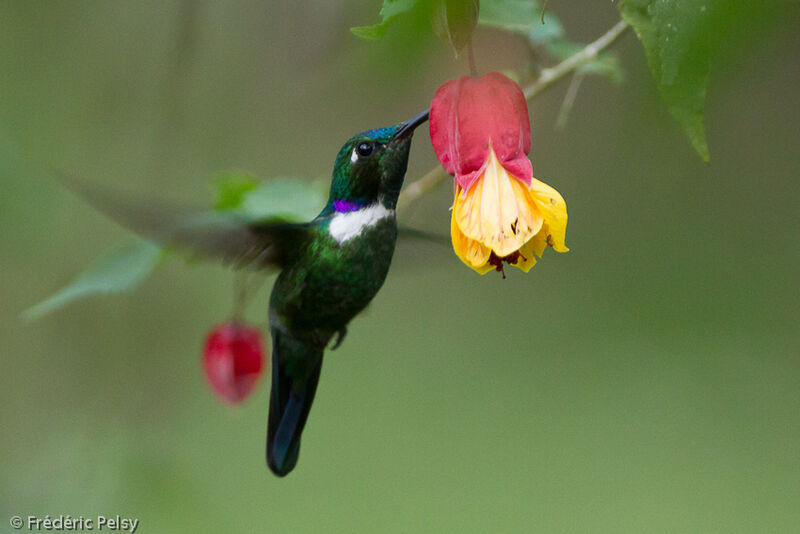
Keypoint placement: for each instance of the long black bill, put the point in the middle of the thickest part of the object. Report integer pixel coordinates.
(408, 127)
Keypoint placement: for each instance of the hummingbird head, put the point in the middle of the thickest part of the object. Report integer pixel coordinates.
(370, 167)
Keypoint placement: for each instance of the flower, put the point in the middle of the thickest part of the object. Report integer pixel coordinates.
(233, 360)
(481, 134)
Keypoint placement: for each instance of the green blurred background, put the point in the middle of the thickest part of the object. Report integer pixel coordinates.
(647, 381)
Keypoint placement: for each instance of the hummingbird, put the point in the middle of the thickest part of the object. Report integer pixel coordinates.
(330, 268)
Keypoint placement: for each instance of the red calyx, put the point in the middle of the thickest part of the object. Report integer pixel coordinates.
(471, 115)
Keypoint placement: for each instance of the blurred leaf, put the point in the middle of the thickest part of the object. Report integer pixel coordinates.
(231, 189)
(124, 267)
(525, 18)
(520, 16)
(279, 198)
(551, 29)
(294, 200)
(675, 36)
(605, 64)
(455, 20)
(120, 269)
(390, 9)
(370, 33)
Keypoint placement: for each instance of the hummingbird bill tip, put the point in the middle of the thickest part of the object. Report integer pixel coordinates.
(408, 126)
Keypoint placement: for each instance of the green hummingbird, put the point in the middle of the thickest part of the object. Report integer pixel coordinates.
(330, 267)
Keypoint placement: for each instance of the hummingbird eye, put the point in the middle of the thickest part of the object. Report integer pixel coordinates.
(365, 149)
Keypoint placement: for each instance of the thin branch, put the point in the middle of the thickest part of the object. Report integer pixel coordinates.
(473, 70)
(419, 187)
(550, 76)
(569, 100)
(547, 77)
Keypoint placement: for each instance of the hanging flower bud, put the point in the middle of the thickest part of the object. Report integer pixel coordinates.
(233, 358)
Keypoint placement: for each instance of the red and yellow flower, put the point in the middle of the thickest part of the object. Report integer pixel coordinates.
(481, 134)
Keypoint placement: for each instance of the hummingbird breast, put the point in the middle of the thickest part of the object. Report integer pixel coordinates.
(339, 273)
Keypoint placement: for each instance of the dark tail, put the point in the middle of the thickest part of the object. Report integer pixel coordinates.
(295, 373)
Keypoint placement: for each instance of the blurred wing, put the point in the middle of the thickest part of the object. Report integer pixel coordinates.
(209, 234)
(237, 242)
(406, 232)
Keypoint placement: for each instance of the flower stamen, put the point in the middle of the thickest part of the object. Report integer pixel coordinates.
(512, 259)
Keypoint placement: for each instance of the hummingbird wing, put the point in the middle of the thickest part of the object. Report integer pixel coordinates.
(239, 243)
(217, 235)
(406, 232)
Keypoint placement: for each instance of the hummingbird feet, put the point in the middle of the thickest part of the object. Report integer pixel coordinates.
(340, 335)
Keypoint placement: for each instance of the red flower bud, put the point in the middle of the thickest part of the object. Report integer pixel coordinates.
(233, 358)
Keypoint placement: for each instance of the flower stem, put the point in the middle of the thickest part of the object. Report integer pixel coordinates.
(547, 77)
(421, 186)
(473, 70)
(245, 285)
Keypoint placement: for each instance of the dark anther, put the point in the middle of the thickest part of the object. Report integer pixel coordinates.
(497, 262)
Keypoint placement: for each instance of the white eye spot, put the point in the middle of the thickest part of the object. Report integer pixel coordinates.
(353, 156)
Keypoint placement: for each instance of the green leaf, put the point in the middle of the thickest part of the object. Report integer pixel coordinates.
(607, 65)
(370, 33)
(280, 198)
(525, 18)
(675, 36)
(520, 16)
(390, 10)
(231, 189)
(283, 198)
(120, 269)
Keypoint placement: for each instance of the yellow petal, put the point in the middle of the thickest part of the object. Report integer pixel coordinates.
(554, 210)
(498, 210)
(471, 252)
(527, 258)
(538, 242)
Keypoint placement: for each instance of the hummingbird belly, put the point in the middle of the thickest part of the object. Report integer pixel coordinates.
(334, 281)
